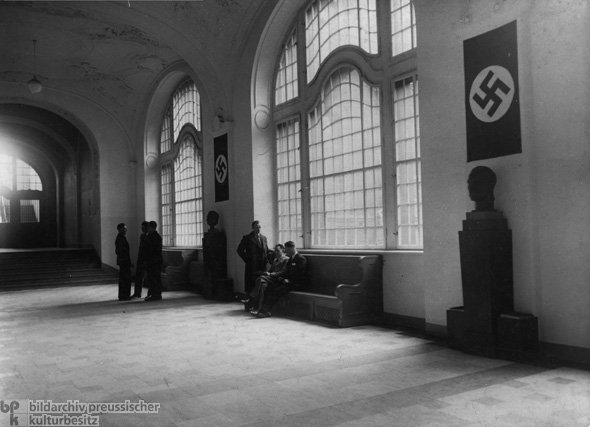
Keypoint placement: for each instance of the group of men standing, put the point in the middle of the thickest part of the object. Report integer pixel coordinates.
(264, 287)
(149, 263)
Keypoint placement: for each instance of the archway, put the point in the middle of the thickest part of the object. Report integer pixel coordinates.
(47, 178)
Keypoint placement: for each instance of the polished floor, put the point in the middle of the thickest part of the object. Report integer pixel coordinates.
(210, 364)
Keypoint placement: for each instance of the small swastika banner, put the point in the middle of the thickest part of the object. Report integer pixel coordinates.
(221, 168)
(491, 94)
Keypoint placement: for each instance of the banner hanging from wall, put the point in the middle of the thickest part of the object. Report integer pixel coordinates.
(221, 166)
(491, 94)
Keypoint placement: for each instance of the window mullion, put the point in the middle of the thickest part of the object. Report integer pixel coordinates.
(172, 205)
(305, 184)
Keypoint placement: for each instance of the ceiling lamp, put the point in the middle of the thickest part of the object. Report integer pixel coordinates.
(34, 85)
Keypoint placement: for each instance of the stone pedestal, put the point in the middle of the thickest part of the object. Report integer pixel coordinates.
(518, 336)
(486, 323)
(486, 271)
(214, 262)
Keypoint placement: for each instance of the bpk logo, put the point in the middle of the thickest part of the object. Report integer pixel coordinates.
(13, 413)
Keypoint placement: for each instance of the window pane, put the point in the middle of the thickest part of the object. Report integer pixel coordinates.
(4, 210)
(330, 24)
(166, 227)
(407, 147)
(403, 26)
(347, 178)
(288, 182)
(29, 211)
(286, 86)
(166, 132)
(186, 105)
(6, 172)
(26, 177)
(188, 200)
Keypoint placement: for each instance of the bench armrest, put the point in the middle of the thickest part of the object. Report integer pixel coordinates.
(368, 293)
(342, 290)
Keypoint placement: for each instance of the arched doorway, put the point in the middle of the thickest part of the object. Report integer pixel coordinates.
(49, 195)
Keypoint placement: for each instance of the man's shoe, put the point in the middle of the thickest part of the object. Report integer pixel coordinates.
(249, 305)
(135, 296)
(245, 300)
(262, 314)
(152, 298)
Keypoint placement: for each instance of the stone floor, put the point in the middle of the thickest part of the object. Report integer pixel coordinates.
(211, 364)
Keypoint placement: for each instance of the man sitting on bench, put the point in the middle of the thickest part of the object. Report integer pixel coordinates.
(271, 286)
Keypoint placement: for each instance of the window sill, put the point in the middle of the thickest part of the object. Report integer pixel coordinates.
(361, 251)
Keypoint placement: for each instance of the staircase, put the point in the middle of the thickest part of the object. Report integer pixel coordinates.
(56, 267)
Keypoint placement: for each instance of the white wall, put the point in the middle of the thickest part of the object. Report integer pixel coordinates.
(543, 192)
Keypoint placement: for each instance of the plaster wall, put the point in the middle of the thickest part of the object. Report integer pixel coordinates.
(543, 192)
(110, 171)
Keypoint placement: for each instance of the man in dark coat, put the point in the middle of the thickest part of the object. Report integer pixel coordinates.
(140, 270)
(253, 249)
(153, 262)
(124, 263)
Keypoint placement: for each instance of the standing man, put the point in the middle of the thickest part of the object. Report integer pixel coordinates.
(124, 263)
(153, 259)
(253, 249)
(140, 270)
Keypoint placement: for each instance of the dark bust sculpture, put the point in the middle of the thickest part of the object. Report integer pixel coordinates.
(481, 183)
(212, 221)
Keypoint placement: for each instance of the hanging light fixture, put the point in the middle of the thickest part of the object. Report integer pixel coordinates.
(34, 85)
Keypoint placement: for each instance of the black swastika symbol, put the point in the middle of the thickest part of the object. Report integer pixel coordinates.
(491, 93)
(220, 168)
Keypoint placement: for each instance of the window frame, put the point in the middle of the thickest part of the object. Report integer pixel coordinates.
(382, 70)
(168, 158)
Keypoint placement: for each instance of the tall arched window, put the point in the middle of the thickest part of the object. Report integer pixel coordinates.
(347, 136)
(181, 169)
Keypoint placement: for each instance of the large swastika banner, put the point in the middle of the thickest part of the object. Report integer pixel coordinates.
(491, 94)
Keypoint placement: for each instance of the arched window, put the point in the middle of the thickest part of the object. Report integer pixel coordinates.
(181, 169)
(348, 144)
(20, 184)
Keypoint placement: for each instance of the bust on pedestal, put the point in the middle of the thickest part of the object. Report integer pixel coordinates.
(486, 270)
(486, 273)
(214, 257)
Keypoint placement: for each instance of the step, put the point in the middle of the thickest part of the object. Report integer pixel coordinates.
(42, 275)
(27, 269)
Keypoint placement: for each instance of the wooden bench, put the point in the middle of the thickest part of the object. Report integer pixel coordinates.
(343, 290)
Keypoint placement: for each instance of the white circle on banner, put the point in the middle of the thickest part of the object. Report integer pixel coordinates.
(221, 169)
(492, 92)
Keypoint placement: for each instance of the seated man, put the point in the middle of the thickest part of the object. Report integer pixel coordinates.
(278, 262)
(275, 285)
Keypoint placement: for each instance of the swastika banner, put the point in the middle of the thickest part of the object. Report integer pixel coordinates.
(491, 94)
(221, 166)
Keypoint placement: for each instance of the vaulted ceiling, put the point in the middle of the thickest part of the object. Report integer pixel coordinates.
(111, 52)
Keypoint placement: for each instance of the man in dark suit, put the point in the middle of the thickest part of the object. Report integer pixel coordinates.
(253, 249)
(140, 270)
(124, 263)
(278, 266)
(153, 260)
(274, 286)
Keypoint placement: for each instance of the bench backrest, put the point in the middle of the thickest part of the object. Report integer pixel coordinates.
(326, 272)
